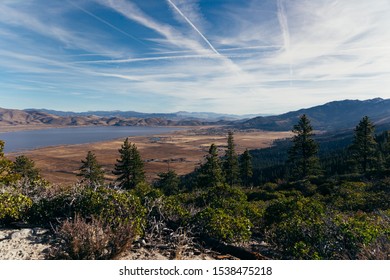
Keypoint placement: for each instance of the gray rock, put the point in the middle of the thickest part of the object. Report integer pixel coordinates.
(23, 233)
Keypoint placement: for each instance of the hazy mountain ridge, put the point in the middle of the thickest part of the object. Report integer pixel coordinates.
(13, 117)
(203, 116)
(334, 115)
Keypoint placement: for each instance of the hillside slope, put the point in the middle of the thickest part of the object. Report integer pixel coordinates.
(13, 117)
(334, 115)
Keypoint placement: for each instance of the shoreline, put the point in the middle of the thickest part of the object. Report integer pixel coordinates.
(81, 141)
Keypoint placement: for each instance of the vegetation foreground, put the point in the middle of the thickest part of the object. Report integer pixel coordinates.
(309, 205)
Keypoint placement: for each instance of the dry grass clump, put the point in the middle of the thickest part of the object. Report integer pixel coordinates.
(79, 239)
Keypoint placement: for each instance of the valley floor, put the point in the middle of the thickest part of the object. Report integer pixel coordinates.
(181, 151)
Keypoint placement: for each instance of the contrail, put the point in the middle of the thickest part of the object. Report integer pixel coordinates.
(106, 22)
(141, 59)
(223, 50)
(286, 34)
(230, 64)
(194, 27)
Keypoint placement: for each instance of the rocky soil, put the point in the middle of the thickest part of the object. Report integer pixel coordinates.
(35, 244)
(24, 244)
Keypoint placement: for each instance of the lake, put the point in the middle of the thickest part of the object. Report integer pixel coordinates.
(31, 139)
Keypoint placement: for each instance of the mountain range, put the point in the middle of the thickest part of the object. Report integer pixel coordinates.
(12, 117)
(336, 115)
(200, 116)
(332, 116)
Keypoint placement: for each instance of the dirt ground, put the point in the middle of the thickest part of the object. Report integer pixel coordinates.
(181, 151)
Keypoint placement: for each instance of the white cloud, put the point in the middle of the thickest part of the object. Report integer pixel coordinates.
(68, 38)
(270, 57)
(134, 13)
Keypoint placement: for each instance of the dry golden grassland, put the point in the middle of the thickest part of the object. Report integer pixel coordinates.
(181, 151)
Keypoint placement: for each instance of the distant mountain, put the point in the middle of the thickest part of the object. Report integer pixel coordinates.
(11, 117)
(331, 116)
(203, 116)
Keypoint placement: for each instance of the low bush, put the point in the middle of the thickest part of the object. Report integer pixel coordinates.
(13, 207)
(79, 239)
(221, 225)
(295, 227)
(175, 210)
(54, 205)
(360, 232)
(113, 207)
(304, 229)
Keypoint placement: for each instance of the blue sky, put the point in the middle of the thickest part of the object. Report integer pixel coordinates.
(232, 56)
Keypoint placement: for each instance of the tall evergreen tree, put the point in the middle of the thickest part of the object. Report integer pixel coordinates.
(168, 182)
(302, 156)
(25, 167)
(230, 164)
(130, 167)
(210, 173)
(91, 171)
(246, 171)
(364, 146)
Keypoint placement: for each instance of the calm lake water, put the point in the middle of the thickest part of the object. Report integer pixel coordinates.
(32, 139)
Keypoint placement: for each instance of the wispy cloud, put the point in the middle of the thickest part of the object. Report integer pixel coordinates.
(105, 22)
(282, 17)
(329, 49)
(68, 38)
(134, 13)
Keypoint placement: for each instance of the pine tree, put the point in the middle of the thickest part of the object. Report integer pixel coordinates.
(230, 164)
(210, 173)
(168, 182)
(130, 167)
(364, 147)
(25, 167)
(246, 172)
(91, 171)
(302, 156)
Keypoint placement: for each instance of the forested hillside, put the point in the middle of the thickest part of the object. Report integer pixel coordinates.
(332, 116)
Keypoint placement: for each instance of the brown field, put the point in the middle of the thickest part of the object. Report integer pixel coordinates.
(181, 151)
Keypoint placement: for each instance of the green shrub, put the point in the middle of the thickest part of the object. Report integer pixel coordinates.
(146, 191)
(225, 196)
(302, 229)
(13, 207)
(350, 196)
(221, 225)
(360, 230)
(295, 227)
(53, 207)
(112, 207)
(264, 195)
(255, 213)
(174, 210)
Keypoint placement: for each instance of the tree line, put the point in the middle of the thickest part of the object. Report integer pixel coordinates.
(360, 152)
(231, 169)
